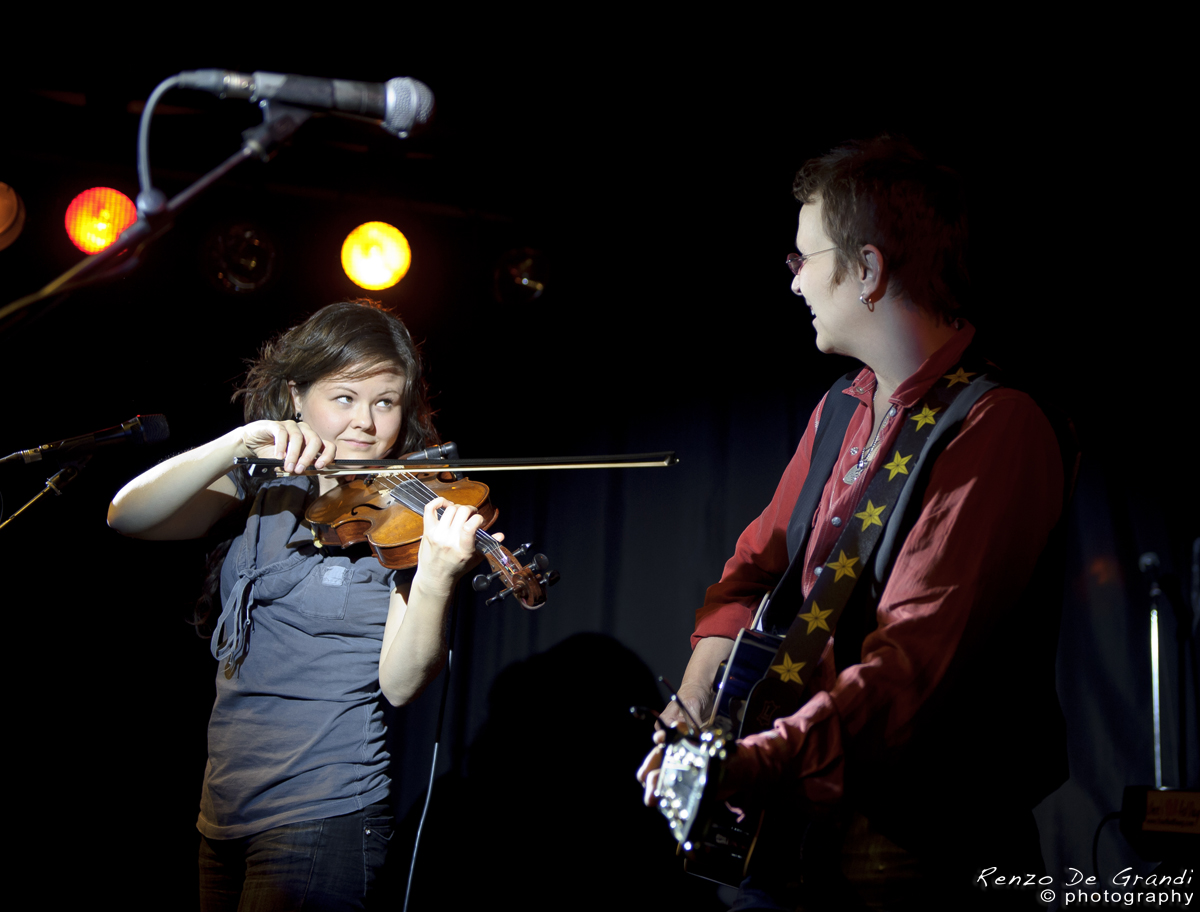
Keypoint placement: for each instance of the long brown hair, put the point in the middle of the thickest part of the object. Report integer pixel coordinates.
(351, 340)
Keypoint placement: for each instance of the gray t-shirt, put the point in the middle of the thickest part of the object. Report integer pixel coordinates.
(297, 730)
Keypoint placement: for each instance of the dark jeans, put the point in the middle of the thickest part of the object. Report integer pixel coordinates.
(322, 865)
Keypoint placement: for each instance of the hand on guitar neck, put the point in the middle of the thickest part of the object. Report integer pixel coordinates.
(696, 688)
(696, 694)
(691, 776)
(733, 781)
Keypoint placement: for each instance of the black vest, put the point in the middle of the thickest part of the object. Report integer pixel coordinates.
(991, 740)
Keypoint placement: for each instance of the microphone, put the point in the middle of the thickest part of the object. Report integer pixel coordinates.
(139, 429)
(448, 450)
(398, 105)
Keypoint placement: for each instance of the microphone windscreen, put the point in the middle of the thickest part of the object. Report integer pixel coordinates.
(409, 104)
(154, 428)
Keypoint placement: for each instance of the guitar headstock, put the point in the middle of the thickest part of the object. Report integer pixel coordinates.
(716, 838)
(527, 583)
(691, 771)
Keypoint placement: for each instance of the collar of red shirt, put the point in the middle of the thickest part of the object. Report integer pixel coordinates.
(909, 393)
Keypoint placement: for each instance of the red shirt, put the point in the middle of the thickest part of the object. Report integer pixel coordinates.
(994, 496)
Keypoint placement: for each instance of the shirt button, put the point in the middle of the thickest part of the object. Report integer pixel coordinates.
(892, 412)
(817, 571)
(837, 520)
(859, 388)
(853, 451)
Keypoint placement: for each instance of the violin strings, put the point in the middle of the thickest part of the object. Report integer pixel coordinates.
(416, 495)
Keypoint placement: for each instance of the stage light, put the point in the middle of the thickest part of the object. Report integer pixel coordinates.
(97, 217)
(12, 215)
(375, 255)
(239, 258)
(520, 277)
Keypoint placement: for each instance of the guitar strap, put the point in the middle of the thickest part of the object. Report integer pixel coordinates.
(932, 424)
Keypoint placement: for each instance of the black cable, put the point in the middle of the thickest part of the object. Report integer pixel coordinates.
(143, 140)
(412, 867)
(1115, 815)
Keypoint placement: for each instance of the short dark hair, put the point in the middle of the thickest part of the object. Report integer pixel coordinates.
(351, 340)
(884, 192)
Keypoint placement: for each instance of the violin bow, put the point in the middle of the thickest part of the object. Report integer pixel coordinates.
(378, 467)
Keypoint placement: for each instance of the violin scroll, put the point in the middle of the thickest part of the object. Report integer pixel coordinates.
(528, 584)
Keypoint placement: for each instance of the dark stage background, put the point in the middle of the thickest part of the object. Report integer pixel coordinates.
(655, 187)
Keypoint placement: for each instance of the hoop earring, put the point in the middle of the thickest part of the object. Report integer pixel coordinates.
(870, 304)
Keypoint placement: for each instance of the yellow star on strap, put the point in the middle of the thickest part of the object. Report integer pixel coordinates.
(843, 567)
(959, 376)
(898, 465)
(789, 670)
(926, 416)
(870, 516)
(816, 617)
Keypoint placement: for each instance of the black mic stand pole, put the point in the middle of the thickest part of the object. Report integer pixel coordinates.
(279, 123)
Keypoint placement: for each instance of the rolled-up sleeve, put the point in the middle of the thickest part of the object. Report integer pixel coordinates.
(761, 557)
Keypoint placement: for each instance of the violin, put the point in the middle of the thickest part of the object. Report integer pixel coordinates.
(388, 513)
(385, 508)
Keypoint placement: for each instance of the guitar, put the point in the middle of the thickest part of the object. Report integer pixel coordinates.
(716, 839)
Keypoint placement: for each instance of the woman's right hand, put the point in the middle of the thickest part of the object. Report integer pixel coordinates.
(297, 444)
(187, 494)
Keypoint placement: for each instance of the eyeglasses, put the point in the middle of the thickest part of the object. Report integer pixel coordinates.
(796, 260)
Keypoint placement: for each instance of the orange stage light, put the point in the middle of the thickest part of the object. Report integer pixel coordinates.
(375, 255)
(12, 215)
(97, 217)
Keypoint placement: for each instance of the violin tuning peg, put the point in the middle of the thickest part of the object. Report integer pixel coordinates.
(482, 581)
(522, 549)
(499, 596)
(549, 579)
(540, 561)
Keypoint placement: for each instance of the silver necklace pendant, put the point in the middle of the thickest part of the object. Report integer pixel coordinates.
(857, 468)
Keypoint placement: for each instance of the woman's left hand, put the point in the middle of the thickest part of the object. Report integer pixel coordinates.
(448, 544)
(414, 641)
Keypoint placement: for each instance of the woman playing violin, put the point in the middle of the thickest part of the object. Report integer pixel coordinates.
(294, 802)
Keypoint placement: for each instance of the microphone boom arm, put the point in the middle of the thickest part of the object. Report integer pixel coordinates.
(156, 213)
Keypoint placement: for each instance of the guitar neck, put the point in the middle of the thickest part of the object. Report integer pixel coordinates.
(753, 652)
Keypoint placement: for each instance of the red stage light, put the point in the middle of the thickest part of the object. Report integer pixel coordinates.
(97, 217)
